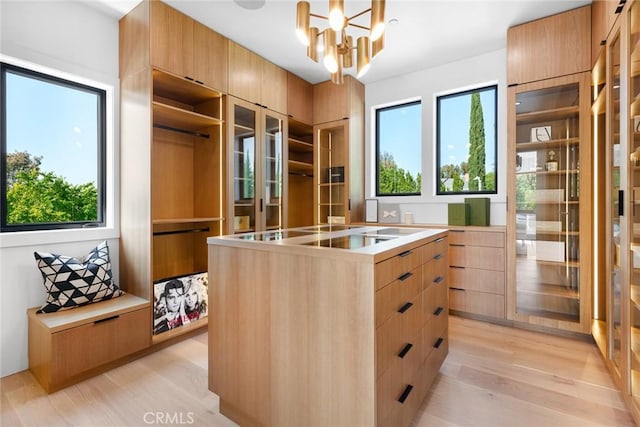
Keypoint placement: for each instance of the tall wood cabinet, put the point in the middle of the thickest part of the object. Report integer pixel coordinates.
(171, 157)
(339, 152)
(256, 166)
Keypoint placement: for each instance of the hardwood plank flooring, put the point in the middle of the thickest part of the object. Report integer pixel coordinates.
(493, 376)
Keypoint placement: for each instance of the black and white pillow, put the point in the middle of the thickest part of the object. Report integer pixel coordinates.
(71, 282)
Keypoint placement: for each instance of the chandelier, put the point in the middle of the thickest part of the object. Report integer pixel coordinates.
(337, 46)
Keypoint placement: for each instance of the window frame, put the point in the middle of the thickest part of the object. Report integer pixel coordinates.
(102, 155)
(480, 88)
(377, 145)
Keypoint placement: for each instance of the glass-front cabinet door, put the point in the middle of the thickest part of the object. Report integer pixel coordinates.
(634, 194)
(255, 166)
(331, 193)
(550, 202)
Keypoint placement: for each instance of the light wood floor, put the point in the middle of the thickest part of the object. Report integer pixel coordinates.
(493, 376)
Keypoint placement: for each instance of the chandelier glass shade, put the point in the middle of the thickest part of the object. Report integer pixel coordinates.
(335, 44)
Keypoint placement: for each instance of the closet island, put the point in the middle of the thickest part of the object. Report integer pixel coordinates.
(328, 324)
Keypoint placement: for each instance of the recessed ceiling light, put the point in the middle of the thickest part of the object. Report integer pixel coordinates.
(393, 21)
(250, 4)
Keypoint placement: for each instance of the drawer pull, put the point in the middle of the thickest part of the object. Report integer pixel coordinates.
(438, 256)
(457, 289)
(405, 350)
(438, 279)
(405, 253)
(106, 319)
(458, 245)
(438, 311)
(438, 240)
(456, 266)
(405, 393)
(438, 343)
(405, 307)
(405, 276)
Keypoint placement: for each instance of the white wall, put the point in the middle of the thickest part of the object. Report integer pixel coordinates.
(68, 37)
(426, 84)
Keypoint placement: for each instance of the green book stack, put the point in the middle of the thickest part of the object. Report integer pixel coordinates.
(479, 209)
(458, 214)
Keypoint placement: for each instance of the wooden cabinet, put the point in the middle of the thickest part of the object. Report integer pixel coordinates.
(300, 175)
(333, 102)
(328, 336)
(254, 79)
(549, 230)
(256, 166)
(477, 272)
(187, 48)
(603, 15)
(71, 345)
(554, 46)
(171, 167)
(299, 99)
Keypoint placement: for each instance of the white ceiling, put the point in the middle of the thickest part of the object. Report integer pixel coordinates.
(428, 32)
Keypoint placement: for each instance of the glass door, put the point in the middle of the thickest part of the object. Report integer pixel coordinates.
(273, 162)
(634, 194)
(549, 190)
(331, 193)
(243, 127)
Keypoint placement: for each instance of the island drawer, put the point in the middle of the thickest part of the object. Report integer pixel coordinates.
(393, 268)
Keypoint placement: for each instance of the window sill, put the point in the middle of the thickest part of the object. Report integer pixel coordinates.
(46, 237)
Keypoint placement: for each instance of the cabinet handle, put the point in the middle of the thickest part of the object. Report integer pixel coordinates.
(438, 343)
(405, 307)
(438, 240)
(438, 256)
(621, 203)
(458, 245)
(349, 204)
(405, 393)
(457, 289)
(199, 82)
(405, 253)
(106, 319)
(456, 266)
(405, 350)
(261, 204)
(188, 78)
(405, 276)
(438, 279)
(438, 311)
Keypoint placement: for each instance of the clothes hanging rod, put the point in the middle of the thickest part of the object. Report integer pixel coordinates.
(301, 174)
(188, 132)
(189, 230)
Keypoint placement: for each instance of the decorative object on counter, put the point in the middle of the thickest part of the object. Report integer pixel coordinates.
(388, 213)
(71, 282)
(518, 162)
(540, 134)
(636, 124)
(479, 210)
(635, 157)
(458, 214)
(179, 301)
(408, 217)
(335, 219)
(335, 174)
(241, 222)
(551, 164)
(337, 44)
(371, 210)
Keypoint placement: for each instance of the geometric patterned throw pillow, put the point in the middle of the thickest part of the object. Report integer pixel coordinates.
(71, 282)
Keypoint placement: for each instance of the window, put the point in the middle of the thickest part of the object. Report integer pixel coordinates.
(399, 149)
(53, 142)
(466, 139)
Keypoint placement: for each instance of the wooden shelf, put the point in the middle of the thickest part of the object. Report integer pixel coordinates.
(549, 290)
(545, 145)
(546, 115)
(548, 314)
(167, 115)
(599, 104)
(300, 167)
(328, 184)
(300, 146)
(543, 172)
(179, 331)
(572, 264)
(186, 220)
(181, 89)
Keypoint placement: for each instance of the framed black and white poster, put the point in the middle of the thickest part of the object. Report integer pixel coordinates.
(179, 301)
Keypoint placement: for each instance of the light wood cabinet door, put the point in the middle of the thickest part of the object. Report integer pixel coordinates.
(210, 51)
(299, 99)
(273, 88)
(550, 47)
(331, 101)
(245, 73)
(171, 40)
(603, 16)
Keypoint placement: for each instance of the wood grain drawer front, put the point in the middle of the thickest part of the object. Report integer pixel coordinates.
(433, 248)
(432, 331)
(482, 303)
(393, 296)
(477, 280)
(477, 238)
(477, 257)
(85, 347)
(388, 389)
(394, 267)
(397, 332)
(435, 359)
(435, 271)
